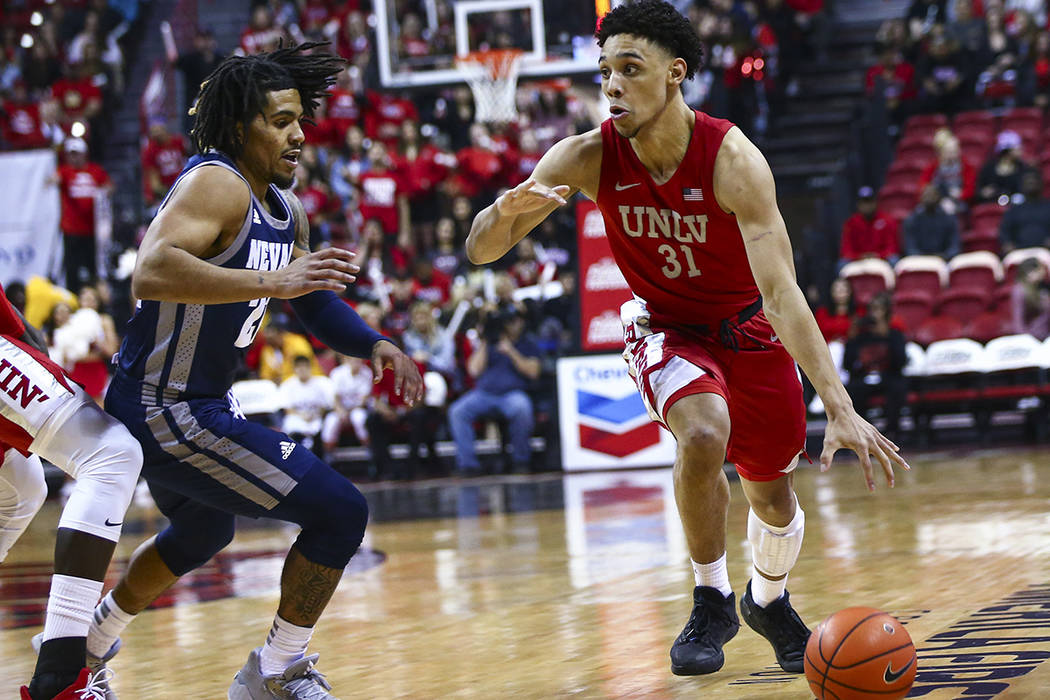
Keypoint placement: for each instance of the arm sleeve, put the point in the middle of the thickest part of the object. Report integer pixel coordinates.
(335, 324)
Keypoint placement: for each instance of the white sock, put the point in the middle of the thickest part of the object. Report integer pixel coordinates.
(69, 606)
(765, 591)
(109, 621)
(715, 575)
(285, 645)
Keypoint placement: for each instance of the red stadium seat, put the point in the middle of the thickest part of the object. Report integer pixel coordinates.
(980, 117)
(913, 307)
(913, 140)
(1023, 117)
(988, 325)
(937, 328)
(985, 217)
(1015, 257)
(926, 120)
(867, 278)
(926, 273)
(987, 239)
(917, 151)
(962, 304)
(980, 271)
(911, 161)
(976, 133)
(1001, 299)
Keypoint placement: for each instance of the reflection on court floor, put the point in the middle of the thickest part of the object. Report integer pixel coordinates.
(574, 586)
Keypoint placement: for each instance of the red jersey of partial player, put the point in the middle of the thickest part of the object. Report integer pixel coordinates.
(677, 248)
(18, 383)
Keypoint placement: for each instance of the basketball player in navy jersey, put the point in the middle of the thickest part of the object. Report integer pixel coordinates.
(225, 240)
(691, 214)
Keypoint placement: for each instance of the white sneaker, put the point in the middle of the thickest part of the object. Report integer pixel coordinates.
(300, 681)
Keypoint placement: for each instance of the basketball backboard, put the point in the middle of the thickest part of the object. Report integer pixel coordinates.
(417, 49)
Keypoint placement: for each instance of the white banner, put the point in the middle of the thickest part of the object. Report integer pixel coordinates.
(29, 215)
(603, 421)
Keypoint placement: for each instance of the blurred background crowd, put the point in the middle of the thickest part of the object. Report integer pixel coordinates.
(397, 176)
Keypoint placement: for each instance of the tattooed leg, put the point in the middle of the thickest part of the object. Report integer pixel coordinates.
(306, 589)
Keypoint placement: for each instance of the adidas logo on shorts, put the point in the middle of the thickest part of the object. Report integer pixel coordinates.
(286, 449)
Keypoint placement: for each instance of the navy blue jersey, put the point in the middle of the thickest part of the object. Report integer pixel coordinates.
(184, 351)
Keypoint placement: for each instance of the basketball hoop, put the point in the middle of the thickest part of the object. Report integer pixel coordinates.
(493, 78)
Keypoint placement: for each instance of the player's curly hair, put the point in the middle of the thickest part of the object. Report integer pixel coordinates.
(236, 91)
(660, 23)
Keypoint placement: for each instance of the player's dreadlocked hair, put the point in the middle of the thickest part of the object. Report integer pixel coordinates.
(236, 91)
(658, 22)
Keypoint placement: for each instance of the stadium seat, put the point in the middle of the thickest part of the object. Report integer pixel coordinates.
(1015, 378)
(1023, 117)
(916, 366)
(905, 171)
(917, 151)
(914, 140)
(987, 240)
(981, 117)
(867, 278)
(974, 153)
(989, 325)
(937, 328)
(986, 217)
(1001, 300)
(962, 303)
(951, 382)
(980, 270)
(1015, 257)
(926, 272)
(913, 307)
(926, 120)
(976, 134)
(911, 160)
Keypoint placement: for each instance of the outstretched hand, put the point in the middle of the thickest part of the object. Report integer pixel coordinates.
(529, 196)
(408, 384)
(850, 431)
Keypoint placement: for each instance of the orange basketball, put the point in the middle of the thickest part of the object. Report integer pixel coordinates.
(860, 654)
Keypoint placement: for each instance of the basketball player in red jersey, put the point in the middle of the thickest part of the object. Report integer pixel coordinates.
(691, 214)
(44, 412)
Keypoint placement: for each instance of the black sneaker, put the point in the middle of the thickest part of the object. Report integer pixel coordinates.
(714, 622)
(781, 626)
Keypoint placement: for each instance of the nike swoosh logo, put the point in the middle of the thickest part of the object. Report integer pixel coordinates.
(621, 188)
(109, 524)
(892, 676)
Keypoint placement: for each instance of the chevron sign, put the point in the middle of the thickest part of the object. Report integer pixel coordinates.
(603, 420)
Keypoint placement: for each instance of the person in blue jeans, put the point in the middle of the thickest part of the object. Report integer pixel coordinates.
(503, 365)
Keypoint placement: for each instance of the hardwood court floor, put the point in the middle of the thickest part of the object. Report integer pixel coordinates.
(547, 587)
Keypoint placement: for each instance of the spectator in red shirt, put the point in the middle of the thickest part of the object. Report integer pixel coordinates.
(318, 203)
(382, 195)
(411, 43)
(79, 181)
(77, 95)
(869, 233)
(344, 104)
(479, 165)
(893, 79)
(262, 34)
(421, 167)
(22, 125)
(432, 285)
(353, 41)
(836, 318)
(162, 160)
(385, 114)
(954, 177)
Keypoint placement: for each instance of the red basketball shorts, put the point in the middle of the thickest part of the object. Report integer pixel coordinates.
(759, 382)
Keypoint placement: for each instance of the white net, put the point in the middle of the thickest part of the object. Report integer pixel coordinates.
(493, 78)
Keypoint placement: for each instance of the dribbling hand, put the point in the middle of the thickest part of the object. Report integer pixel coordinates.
(331, 268)
(850, 431)
(529, 196)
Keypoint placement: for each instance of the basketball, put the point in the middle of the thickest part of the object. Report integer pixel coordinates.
(860, 654)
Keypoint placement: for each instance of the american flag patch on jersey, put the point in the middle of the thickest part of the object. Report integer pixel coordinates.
(692, 194)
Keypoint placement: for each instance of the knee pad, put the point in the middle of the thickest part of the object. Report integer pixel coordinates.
(774, 550)
(334, 521)
(186, 545)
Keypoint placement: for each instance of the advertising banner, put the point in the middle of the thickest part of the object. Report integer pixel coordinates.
(602, 286)
(29, 215)
(602, 418)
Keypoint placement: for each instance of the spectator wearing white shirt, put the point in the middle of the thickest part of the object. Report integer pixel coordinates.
(305, 398)
(352, 386)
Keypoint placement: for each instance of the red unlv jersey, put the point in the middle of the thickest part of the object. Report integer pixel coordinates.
(678, 249)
